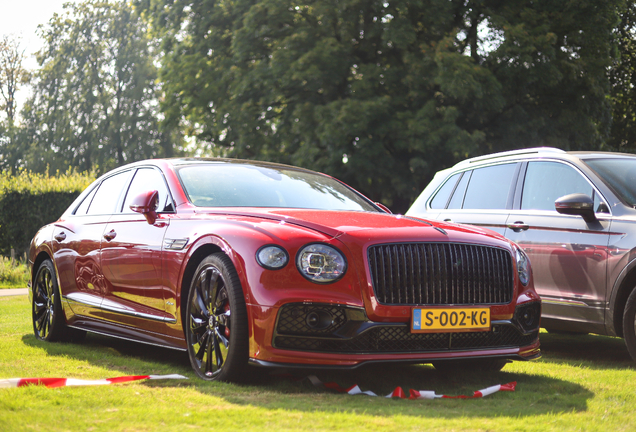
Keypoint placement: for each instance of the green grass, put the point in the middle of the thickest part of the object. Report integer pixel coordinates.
(13, 274)
(582, 383)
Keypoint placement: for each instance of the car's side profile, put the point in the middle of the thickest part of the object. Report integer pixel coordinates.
(574, 215)
(246, 263)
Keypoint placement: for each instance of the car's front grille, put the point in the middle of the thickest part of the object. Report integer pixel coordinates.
(440, 274)
(399, 339)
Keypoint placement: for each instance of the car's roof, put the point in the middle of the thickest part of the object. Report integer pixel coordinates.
(538, 152)
(204, 160)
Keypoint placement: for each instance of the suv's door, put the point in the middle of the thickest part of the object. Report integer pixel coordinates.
(131, 257)
(482, 196)
(568, 255)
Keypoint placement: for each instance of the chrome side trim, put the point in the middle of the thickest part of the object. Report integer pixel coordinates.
(137, 314)
(175, 244)
(91, 301)
(83, 299)
(569, 302)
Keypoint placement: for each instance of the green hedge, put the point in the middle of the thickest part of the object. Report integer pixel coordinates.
(28, 201)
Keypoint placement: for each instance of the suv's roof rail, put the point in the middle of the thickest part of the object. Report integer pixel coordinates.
(512, 153)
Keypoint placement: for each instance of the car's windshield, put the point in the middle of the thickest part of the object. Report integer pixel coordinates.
(619, 174)
(238, 185)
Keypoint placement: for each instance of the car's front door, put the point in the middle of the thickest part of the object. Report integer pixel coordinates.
(568, 254)
(131, 258)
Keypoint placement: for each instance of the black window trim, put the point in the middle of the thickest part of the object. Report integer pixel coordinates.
(122, 199)
(96, 188)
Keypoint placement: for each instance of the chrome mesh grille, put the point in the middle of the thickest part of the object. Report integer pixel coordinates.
(440, 274)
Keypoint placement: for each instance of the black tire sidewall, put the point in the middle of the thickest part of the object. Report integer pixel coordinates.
(629, 332)
(235, 363)
(58, 324)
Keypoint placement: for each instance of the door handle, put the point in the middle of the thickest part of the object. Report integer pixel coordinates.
(110, 235)
(448, 220)
(518, 226)
(60, 237)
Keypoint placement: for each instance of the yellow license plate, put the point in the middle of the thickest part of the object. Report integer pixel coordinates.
(428, 320)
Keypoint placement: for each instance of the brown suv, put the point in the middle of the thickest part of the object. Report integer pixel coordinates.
(573, 213)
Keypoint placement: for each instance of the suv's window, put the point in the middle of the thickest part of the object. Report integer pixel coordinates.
(441, 198)
(620, 174)
(489, 187)
(457, 200)
(547, 181)
(147, 179)
(107, 195)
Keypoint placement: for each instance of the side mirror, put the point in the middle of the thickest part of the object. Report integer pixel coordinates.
(576, 204)
(146, 203)
(383, 207)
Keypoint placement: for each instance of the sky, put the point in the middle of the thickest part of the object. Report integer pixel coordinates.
(21, 18)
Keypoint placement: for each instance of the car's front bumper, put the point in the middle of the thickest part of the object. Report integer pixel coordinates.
(345, 337)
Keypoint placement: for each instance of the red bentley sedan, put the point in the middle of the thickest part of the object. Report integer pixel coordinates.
(248, 263)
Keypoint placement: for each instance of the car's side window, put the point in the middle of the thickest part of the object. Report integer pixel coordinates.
(457, 199)
(83, 207)
(441, 197)
(546, 181)
(489, 187)
(107, 196)
(147, 179)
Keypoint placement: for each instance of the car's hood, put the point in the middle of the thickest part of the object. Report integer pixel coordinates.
(367, 225)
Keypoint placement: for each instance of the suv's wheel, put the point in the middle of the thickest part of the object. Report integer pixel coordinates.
(629, 324)
(216, 321)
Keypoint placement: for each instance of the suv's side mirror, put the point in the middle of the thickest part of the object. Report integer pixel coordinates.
(576, 204)
(146, 203)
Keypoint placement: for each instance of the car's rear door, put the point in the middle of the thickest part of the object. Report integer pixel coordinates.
(76, 245)
(480, 196)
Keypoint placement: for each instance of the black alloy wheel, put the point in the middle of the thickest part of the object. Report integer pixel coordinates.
(48, 318)
(216, 327)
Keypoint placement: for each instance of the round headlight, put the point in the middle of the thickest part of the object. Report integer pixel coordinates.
(272, 257)
(523, 266)
(321, 263)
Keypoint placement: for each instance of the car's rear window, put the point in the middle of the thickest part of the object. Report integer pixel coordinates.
(619, 174)
(234, 185)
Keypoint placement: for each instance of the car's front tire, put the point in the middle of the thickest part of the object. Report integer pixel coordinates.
(629, 324)
(216, 321)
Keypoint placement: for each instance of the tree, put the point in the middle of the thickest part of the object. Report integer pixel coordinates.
(95, 97)
(623, 84)
(380, 93)
(12, 74)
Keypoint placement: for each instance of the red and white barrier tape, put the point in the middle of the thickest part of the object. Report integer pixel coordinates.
(64, 382)
(353, 390)
(413, 394)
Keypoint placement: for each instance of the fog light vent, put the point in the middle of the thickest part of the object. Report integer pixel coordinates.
(319, 320)
(528, 316)
(310, 319)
